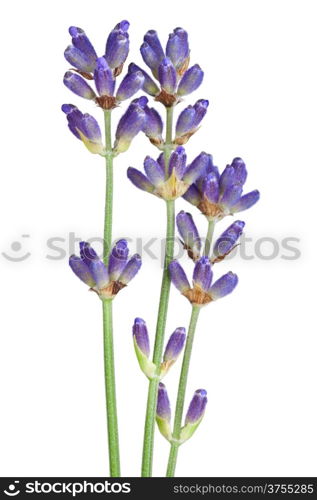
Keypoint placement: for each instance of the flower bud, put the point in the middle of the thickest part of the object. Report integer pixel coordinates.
(141, 336)
(196, 169)
(149, 86)
(103, 76)
(117, 46)
(118, 259)
(194, 414)
(202, 276)
(178, 276)
(223, 286)
(130, 85)
(78, 85)
(130, 124)
(177, 50)
(78, 59)
(246, 201)
(227, 240)
(189, 234)
(167, 76)
(190, 81)
(174, 347)
(81, 42)
(163, 412)
(131, 269)
(153, 126)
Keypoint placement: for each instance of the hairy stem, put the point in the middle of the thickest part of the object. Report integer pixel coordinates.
(149, 427)
(110, 386)
(210, 232)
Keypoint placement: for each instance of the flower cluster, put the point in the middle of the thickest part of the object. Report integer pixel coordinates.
(103, 71)
(202, 292)
(169, 68)
(106, 281)
(172, 182)
(172, 351)
(193, 417)
(217, 196)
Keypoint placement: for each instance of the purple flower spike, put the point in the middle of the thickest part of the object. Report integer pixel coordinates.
(130, 124)
(167, 76)
(103, 76)
(118, 259)
(149, 86)
(153, 126)
(202, 276)
(163, 408)
(191, 80)
(189, 234)
(196, 168)
(131, 269)
(175, 345)
(246, 201)
(78, 85)
(81, 270)
(190, 119)
(139, 180)
(130, 85)
(141, 336)
(78, 59)
(178, 162)
(223, 286)
(178, 276)
(177, 49)
(117, 46)
(81, 42)
(154, 171)
(197, 407)
(228, 239)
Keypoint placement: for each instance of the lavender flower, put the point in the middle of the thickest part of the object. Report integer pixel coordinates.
(197, 407)
(84, 127)
(92, 271)
(202, 292)
(169, 68)
(163, 412)
(130, 124)
(227, 241)
(189, 120)
(78, 85)
(189, 234)
(153, 126)
(117, 46)
(172, 183)
(217, 195)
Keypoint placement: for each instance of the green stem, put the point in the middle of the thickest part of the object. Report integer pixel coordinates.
(110, 386)
(149, 427)
(181, 392)
(112, 422)
(210, 232)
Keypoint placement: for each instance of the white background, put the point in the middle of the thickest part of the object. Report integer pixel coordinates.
(255, 351)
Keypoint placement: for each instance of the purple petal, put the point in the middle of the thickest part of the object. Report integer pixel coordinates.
(202, 275)
(240, 171)
(81, 270)
(178, 162)
(78, 59)
(149, 86)
(193, 195)
(103, 76)
(210, 188)
(177, 48)
(188, 232)
(197, 407)
(96, 267)
(151, 37)
(153, 124)
(163, 408)
(118, 259)
(140, 333)
(228, 238)
(90, 128)
(78, 85)
(130, 85)
(223, 286)
(178, 276)
(246, 201)
(139, 180)
(82, 43)
(150, 58)
(130, 269)
(167, 76)
(175, 345)
(191, 80)
(154, 171)
(130, 124)
(231, 195)
(196, 169)
(117, 46)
